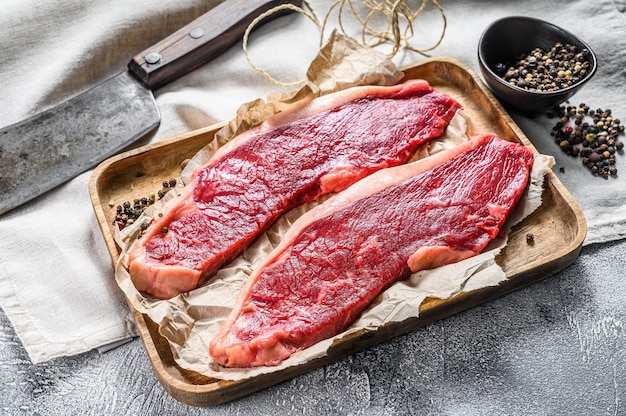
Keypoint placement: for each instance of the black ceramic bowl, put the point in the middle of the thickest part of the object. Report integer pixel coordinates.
(507, 38)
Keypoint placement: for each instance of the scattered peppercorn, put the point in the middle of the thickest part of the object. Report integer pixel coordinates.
(594, 135)
(128, 212)
(552, 69)
(530, 238)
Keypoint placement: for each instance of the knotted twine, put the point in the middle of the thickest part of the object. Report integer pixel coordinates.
(399, 17)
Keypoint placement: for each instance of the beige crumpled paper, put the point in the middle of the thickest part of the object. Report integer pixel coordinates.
(191, 320)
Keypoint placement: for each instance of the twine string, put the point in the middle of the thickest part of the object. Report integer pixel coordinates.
(396, 14)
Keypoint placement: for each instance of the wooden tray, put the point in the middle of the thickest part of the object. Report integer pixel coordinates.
(558, 227)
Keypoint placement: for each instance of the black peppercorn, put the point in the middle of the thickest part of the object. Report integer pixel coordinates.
(501, 68)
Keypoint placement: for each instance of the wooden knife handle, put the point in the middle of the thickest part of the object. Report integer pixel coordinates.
(200, 41)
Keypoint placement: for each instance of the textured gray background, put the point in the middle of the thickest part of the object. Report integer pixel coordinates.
(555, 347)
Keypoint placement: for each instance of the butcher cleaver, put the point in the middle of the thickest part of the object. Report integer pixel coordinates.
(54, 146)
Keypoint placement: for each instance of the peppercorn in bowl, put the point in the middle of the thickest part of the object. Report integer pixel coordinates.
(533, 65)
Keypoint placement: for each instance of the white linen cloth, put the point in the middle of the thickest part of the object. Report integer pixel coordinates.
(56, 277)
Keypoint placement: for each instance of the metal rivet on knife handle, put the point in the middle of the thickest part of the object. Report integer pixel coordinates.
(153, 58)
(196, 33)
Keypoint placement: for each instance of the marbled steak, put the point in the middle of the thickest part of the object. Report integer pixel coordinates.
(314, 148)
(339, 256)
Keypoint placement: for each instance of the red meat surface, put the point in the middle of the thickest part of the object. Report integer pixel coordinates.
(339, 256)
(320, 147)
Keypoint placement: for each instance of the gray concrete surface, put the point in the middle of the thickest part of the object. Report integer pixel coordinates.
(555, 347)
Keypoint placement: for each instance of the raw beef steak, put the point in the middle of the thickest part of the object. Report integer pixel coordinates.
(339, 256)
(314, 148)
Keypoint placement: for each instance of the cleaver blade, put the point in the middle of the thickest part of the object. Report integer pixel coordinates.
(54, 146)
